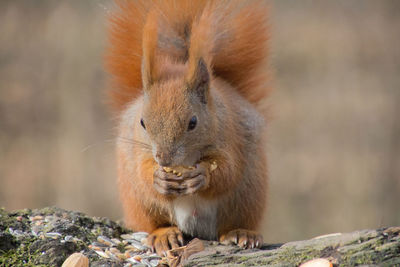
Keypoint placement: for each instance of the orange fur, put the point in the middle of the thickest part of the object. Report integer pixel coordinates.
(234, 32)
(172, 60)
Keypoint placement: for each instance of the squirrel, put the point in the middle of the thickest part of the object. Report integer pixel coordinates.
(189, 82)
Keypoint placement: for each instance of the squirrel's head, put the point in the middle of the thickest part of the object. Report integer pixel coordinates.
(176, 115)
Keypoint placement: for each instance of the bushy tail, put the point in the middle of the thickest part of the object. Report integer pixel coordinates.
(231, 35)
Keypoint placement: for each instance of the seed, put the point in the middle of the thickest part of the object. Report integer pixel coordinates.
(213, 166)
(139, 235)
(100, 245)
(178, 170)
(116, 241)
(167, 169)
(53, 235)
(154, 263)
(121, 256)
(126, 236)
(146, 262)
(136, 247)
(36, 218)
(102, 254)
(68, 238)
(132, 260)
(105, 240)
(115, 250)
(127, 254)
(131, 252)
(111, 255)
(138, 258)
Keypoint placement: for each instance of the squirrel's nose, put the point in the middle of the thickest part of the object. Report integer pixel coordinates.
(163, 159)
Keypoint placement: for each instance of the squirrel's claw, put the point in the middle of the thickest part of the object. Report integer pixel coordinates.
(243, 238)
(193, 185)
(189, 182)
(163, 239)
(167, 183)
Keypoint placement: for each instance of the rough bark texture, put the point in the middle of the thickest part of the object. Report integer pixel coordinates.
(46, 237)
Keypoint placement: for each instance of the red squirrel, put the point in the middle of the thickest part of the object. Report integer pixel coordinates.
(188, 79)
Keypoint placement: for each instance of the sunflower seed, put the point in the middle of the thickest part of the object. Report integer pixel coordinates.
(132, 260)
(151, 257)
(140, 235)
(136, 244)
(144, 261)
(16, 233)
(102, 254)
(95, 248)
(154, 263)
(111, 255)
(121, 256)
(115, 250)
(68, 238)
(126, 236)
(53, 235)
(100, 245)
(36, 218)
(105, 240)
(116, 241)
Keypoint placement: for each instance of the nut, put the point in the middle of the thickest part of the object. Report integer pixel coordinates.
(317, 263)
(178, 170)
(213, 166)
(76, 260)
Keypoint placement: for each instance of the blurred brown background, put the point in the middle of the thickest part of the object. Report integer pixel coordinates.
(334, 136)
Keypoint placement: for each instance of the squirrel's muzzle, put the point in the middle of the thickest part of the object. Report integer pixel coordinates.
(164, 158)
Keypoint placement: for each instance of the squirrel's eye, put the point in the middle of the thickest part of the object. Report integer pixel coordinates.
(192, 123)
(142, 123)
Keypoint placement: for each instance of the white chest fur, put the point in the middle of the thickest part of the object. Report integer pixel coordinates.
(196, 216)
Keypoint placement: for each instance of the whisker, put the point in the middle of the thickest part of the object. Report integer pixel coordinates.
(135, 142)
(85, 149)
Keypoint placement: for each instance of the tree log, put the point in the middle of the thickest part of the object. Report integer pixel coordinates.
(46, 237)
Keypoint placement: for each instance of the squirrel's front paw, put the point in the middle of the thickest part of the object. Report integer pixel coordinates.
(188, 182)
(243, 238)
(164, 239)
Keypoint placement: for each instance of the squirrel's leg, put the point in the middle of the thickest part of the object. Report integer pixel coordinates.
(250, 199)
(135, 216)
(243, 238)
(160, 239)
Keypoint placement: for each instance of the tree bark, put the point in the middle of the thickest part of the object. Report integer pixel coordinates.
(46, 237)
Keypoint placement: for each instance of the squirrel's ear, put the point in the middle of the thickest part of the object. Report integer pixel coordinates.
(150, 36)
(199, 80)
(147, 77)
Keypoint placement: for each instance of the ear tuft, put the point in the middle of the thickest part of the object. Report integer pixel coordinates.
(150, 39)
(199, 80)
